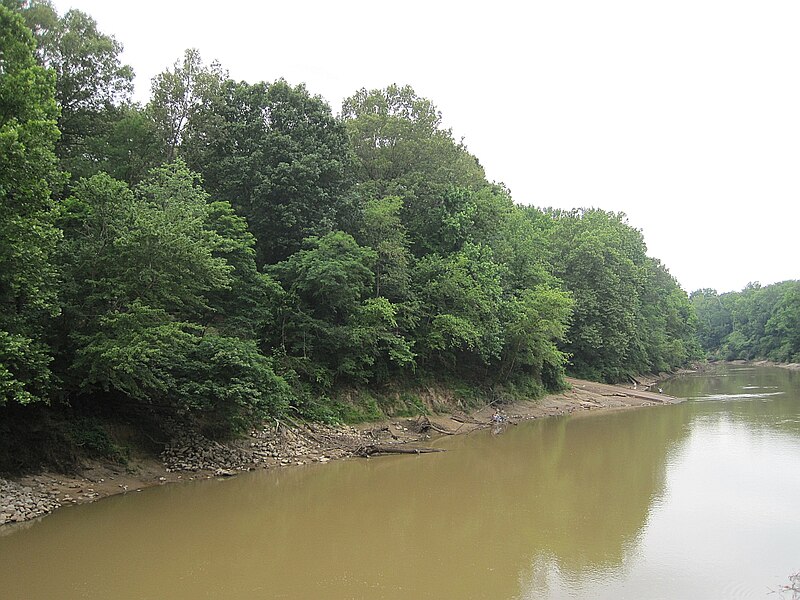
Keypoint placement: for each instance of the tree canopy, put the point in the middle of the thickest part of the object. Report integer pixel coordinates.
(231, 249)
(758, 322)
(28, 134)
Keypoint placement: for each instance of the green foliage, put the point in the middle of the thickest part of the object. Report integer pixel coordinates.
(178, 93)
(536, 320)
(381, 229)
(91, 436)
(229, 381)
(28, 133)
(152, 245)
(630, 315)
(91, 82)
(402, 150)
(330, 327)
(459, 296)
(24, 369)
(163, 292)
(667, 322)
(280, 157)
(282, 258)
(250, 301)
(398, 137)
(127, 147)
(172, 365)
(714, 321)
(758, 322)
(331, 275)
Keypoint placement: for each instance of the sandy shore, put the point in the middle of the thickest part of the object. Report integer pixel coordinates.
(288, 444)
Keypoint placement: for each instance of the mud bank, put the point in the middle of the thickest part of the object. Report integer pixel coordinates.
(291, 443)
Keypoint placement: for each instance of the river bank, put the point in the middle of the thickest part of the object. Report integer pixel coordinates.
(285, 443)
(769, 363)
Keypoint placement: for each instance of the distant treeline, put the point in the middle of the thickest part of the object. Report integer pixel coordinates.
(232, 250)
(756, 323)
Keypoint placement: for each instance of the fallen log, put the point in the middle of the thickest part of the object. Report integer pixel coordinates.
(426, 424)
(376, 449)
(462, 418)
(442, 430)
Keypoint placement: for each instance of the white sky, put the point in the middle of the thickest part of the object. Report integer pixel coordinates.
(684, 114)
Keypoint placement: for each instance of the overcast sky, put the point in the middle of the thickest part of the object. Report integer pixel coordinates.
(683, 114)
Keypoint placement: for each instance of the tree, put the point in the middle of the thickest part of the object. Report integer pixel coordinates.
(398, 138)
(600, 260)
(381, 229)
(128, 148)
(460, 294)
(279, 156)
(28, 134)
(535, 321)
(250, 303)
(402, 150)
(223, 381)
(91, 82)
(162, 300)
(332, 329)
(178, 93)
(758, 322)
(667, 330)
(783, 327)
(714, 322)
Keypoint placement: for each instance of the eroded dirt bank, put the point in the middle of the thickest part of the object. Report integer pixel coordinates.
(285, 443)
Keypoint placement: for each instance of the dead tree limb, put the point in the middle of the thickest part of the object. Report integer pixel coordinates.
(398, 449)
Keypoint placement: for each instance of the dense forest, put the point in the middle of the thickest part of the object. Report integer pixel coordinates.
(234, 250)
(756, 323)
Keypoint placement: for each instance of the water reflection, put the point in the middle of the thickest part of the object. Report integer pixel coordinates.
(763, 397)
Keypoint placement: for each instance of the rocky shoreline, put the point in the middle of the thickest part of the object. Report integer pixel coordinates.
(287, 442)
(24, 502)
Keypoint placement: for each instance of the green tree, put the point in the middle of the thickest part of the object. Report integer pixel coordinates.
(278, 155)
(162, 295)
(535, 321)
(250, 302)
(758, 322)
(91, 82)
(782, 331)
(178, 93)
(667, 330)
(28, 134)
(403, 150)
(714, 321)
(601, 261)
(381, 229)
(143, 353)
(332, 328)
(460, 293)
(128, 148)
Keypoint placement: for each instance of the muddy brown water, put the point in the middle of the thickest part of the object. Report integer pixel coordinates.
(696, 500)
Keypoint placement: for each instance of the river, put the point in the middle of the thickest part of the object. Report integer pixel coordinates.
(695, 500)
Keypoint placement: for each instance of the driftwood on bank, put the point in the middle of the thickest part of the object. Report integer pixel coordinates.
(393, 449)
(424, 425)
(460, 417)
